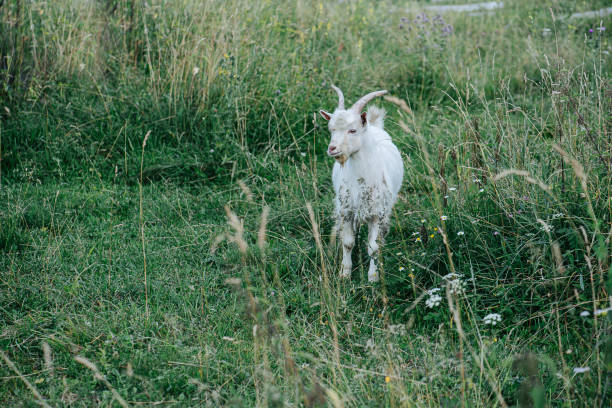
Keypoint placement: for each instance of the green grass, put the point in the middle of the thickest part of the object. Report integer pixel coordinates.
(229, 316)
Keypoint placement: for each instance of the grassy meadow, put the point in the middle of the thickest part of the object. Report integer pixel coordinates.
(166, 203)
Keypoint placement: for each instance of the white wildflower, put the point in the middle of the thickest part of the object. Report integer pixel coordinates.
(452, 276)
(492, 319)
(444, 218)
(433, 301)
(604, 312)
(481, 190)
(302, 154)
(456, 286)
(581, 370)
(452, 189)
(585, 313)
(433, 291)
(422, 220)
(401, 268)
(546, 227)
(475, 180)
(558, 215)
(460, 233)
(195, 71)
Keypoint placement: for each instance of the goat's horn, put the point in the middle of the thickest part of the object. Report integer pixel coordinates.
(340, 97)
(358, 106)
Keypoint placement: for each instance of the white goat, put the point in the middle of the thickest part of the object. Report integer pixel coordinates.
(367, 175)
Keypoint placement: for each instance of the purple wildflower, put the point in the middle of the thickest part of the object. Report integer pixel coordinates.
(424, 29)
(591, 30)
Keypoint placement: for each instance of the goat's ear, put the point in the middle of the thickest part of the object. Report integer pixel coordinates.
(363, 119)
(326, 115)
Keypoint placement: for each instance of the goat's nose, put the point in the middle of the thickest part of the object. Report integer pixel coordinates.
(331, 148)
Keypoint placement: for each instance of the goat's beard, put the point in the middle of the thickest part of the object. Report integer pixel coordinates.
(341, 158)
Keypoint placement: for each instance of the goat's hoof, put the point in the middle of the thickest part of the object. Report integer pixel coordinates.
(345, 272)
(373, 277)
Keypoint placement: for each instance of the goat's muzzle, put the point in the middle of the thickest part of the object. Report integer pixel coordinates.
(337, 155)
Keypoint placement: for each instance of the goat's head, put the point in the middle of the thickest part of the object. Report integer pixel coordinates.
(347, 126)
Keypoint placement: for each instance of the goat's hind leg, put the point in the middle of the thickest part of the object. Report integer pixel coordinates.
(348, 241)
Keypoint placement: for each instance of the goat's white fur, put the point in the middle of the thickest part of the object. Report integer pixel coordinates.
(367, 175)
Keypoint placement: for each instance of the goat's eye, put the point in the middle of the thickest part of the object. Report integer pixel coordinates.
(352, 131)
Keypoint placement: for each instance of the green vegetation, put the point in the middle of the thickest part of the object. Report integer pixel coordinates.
(196, 269)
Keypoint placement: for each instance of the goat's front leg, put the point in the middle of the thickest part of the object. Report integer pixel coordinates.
(373, 249)
(348, 241)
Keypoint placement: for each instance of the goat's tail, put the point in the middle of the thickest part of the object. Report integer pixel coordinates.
(376, 116)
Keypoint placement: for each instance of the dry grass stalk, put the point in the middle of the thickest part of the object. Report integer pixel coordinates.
(399, 102)
(576, 166)
(47, 356)
(558, 258)
(246, 190)
(28, 384)
(99, 376)
(449, 253)
(444, 186)
(141, 222)
(334, 398)
(261, 234)
(525, 175)
(238, 227)
(477, 149)
(215, 244)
